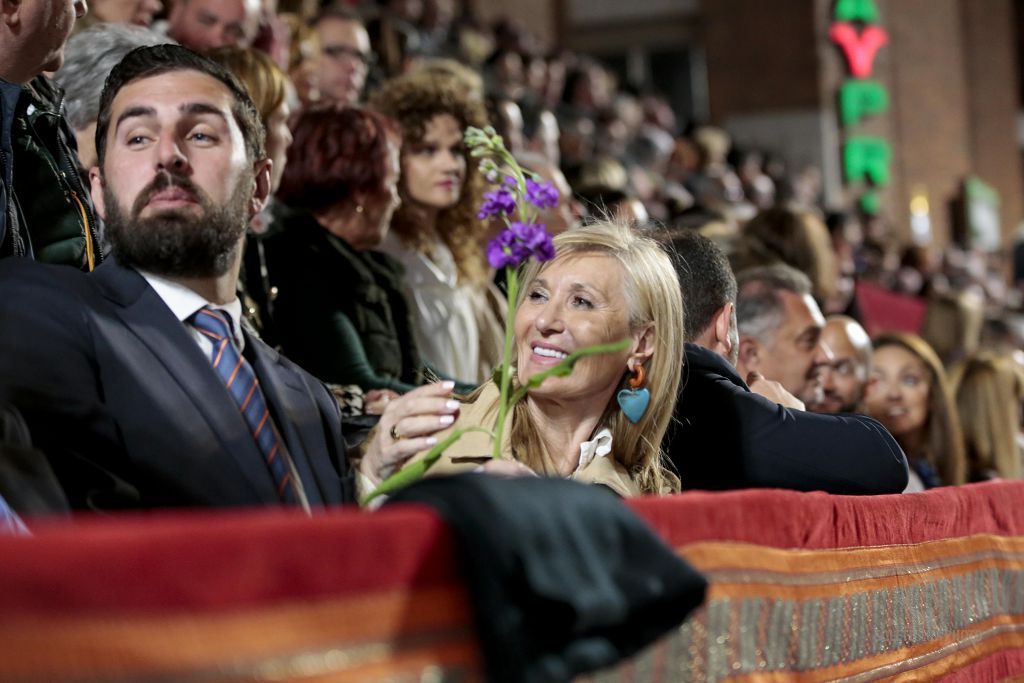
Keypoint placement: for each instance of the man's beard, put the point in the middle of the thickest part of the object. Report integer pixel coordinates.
(177, 243)
(837, 405)
(853, 406)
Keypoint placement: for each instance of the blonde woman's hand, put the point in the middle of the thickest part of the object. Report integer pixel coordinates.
(407, 427)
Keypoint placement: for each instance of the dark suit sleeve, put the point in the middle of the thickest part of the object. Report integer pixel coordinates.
(727, 437)
(847, 454)
(330, 415)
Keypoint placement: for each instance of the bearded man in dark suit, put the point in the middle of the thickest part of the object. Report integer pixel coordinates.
(138, 381)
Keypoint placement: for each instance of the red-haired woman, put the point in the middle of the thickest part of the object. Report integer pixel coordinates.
(340, 312)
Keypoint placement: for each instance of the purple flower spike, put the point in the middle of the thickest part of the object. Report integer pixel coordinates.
(535, 239)
(504, 250)
(541, 195)
(545, 251)
(497, 203)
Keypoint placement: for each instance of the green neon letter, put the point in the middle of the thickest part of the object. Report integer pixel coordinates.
(867, 158)
(858, 99)
(870, 203)
(854, 10)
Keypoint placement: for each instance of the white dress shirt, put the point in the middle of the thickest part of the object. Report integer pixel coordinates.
(184, 302)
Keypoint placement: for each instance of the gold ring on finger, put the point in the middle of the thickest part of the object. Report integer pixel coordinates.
(394, 432)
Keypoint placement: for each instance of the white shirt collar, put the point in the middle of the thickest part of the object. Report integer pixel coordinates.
(183, 302)
(598, 447)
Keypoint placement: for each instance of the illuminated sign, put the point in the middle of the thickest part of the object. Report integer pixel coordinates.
(865, 159)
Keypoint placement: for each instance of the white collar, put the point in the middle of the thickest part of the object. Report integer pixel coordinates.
(598, 447)
(183, 302)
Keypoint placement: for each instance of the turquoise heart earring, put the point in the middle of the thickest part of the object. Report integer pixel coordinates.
(634, 400)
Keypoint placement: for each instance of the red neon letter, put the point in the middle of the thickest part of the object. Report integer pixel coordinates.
(860, 50)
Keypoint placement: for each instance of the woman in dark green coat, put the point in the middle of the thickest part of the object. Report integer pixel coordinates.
(340, 312)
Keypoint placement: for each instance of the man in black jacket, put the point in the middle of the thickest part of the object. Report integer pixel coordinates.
(736, 434)
(53, 221)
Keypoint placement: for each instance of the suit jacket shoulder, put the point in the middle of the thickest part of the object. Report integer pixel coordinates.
(729, 437)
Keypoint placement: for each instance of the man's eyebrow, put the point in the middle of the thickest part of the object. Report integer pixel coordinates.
(187, 108)
(810, 331)
(133, 112)
(201, 108)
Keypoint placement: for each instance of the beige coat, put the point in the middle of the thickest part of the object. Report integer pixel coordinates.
(473, 448)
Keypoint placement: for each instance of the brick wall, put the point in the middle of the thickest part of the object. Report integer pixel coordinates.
(992, 73)
(760, 55)
(949, 68)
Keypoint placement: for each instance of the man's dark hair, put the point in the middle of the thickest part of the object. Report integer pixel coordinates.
(705, 278)
(759, 309)
(154, 60)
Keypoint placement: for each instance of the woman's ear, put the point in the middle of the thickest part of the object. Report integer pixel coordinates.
(643, 349)
(356, 203)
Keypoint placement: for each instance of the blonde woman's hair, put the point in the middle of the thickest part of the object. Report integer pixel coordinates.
(654, 297)
(944, 442)
(266, 84)
(989, 389)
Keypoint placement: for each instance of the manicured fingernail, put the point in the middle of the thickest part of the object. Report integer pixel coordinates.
(447, 420)
(452, 405)
(448, 384)
(431, 440)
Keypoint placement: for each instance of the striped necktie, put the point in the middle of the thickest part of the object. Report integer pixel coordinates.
(238, 376)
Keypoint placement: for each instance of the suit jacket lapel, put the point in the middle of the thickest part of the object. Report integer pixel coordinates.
(299, 422)
(146, 315)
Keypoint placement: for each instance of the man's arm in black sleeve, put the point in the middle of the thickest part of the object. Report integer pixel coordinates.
(845, 454)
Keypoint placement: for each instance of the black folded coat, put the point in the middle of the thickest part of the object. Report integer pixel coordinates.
(564, 578)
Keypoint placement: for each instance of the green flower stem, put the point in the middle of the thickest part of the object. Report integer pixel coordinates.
(512, 282)
(415, 470)
(564, 368)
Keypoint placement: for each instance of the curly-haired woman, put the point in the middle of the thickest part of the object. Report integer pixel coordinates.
(435, 233)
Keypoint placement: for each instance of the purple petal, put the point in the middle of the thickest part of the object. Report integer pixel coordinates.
(496, 203)
(530, 234)
(541, 195)
(545, 250)
(504, 251)
(496, 256)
